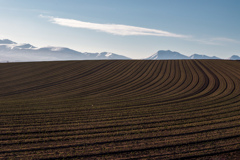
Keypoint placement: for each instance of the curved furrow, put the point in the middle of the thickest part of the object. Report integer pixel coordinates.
(210, 85)
(56, 82)
(194, 83)
(126, 148)
(226, 87)
(126, 80)
(221, 113)
(90, 82)
(183, 120)
(135, 90)
(125, 108)
(156, 93)
(133, 80)
(87, 86)
(114, 84)
(145, 89)
(124, 91)
(219, 129)
(213, 108)
(152, 129)
(40, 75)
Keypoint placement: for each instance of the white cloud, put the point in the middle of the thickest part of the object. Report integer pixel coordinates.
(126, 30)
(204, 41)
(116, 29)
(223, 39)
(214, 41)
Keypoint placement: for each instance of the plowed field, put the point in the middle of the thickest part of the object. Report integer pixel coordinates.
(132, 109)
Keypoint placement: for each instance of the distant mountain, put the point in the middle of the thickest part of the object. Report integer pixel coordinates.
(6, 41)
(234, 57)
(109, 55)
(13, 52)
(24, 46)
(198, 56)
(162, 54)
(167, 55)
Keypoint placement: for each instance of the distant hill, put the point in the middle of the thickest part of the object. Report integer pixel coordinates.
(198, 56)
(167, 55)
(162, 54)
(13, 52)
(6, 41)
(234, 57)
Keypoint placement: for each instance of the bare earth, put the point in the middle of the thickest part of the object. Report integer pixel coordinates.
(120, 109)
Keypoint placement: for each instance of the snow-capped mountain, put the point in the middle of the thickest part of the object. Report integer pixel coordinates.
(109, 55)
(198, 56)
(167, 55)
(14, 52)
(6, 41)
(162, 54)
(234, 57)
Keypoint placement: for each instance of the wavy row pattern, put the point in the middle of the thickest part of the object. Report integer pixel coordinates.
(125, 109)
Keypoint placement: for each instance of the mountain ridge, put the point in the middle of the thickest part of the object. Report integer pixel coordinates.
(234, 57)
(168, 54)
(14, 52)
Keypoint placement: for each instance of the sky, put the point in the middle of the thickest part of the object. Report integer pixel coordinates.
(133, 28)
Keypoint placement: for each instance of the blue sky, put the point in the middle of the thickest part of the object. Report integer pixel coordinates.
(134, 28)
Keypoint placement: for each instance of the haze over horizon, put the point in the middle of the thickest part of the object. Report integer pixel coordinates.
(135, 28)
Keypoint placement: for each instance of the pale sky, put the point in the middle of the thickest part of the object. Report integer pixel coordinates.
(133, 28)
